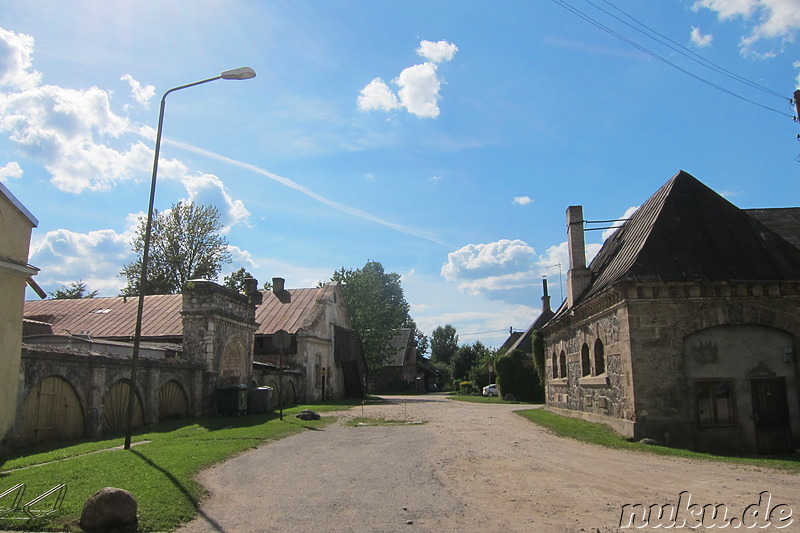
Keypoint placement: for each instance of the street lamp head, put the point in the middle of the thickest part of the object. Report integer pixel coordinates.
(242, 73)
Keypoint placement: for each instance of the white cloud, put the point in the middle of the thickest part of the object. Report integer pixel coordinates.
(438, 51)
(796, 65)
(378, 96)
(776, 19)
(16, 52)
(141, 93)
(208, 189)
(475, 261)
(95, 257)
(419, 85)
(700, 39)
(522, 200)
(10, 170)
(419, 90)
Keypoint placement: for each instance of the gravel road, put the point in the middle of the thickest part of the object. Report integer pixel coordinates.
(469, 467)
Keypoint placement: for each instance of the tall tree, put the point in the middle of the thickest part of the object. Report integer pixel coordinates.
(376, 306)
(466, 357)
(185, 244)
(444, 343)
(76, 290)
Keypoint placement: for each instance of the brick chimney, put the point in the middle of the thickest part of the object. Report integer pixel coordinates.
(545, 297)
(578, 276)
(278, 285)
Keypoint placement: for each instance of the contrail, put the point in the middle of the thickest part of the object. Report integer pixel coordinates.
(427, 235)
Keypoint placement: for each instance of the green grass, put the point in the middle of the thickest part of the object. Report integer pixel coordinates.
(366, 421)
(160, 474)
(603, 435)
(480, 399)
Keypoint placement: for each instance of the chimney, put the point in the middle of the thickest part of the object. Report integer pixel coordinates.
(278, 285)
(545, 297)
(578, 276)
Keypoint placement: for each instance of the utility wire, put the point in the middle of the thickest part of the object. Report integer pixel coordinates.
(593, 22)
(684, 51)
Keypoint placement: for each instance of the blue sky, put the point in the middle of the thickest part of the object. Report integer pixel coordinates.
(443, 139)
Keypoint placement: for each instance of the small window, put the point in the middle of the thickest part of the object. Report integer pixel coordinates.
(599, 358)
(555, 365)
(562, 364)
(715, 403)
(585, 362)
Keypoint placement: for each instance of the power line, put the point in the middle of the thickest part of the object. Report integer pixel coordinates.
(684, 51)
(580, 14)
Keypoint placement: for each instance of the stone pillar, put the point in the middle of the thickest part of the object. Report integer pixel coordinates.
(578, 276)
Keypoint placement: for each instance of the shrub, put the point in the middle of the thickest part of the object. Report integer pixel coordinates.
(516, 375)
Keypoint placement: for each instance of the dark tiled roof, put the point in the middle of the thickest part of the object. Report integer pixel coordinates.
(273, 315)
(524, 342)
(687, 232)
(785, 221)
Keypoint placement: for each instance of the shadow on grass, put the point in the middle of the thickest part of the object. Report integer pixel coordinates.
(175, 481)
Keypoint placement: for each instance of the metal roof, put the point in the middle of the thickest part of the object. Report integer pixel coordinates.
(785, 221)
(687, 232)
(115, 318)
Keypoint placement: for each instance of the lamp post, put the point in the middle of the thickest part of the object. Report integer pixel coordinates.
(243, 73)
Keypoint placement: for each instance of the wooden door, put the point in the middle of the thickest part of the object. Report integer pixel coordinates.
(52, 412)
(771, 416)
(172, 402)
(115, 409)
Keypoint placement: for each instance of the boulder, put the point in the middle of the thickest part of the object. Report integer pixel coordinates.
(110, 509)
(510, 398)
(651, 442)
(307, 414)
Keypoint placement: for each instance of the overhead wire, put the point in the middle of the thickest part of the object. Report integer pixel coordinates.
(580, 14)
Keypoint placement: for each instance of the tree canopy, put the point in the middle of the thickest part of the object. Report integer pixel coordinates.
(444, 343)
(377, 308)
(185, 244)
(75, 291)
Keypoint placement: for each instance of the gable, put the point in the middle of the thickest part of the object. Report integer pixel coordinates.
(686, 232)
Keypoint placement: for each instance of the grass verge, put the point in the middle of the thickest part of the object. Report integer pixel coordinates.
(603, 435)
(481, 399)
(160, 473)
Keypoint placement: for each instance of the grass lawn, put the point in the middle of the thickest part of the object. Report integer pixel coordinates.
(480, 399)
(601, 434)
(159, 473)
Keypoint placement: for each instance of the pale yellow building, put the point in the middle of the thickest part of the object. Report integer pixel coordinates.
(16, 224)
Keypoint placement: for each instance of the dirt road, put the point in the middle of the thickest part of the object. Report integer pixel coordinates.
(470, 467)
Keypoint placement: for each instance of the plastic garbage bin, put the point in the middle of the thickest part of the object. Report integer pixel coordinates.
(259, 400)
(231, 400)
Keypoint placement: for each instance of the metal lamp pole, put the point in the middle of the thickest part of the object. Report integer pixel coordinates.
(242, 73)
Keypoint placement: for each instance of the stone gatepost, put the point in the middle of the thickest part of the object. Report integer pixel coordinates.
(218, 332)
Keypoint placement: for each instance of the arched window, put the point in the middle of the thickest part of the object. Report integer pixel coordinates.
(562, 364)
(599, 358)
(555, 365)
(585, 362)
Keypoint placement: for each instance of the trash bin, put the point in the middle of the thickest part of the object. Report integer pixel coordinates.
(259, 400)
(231, 400)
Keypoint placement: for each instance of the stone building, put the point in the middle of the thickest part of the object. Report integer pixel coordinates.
(685, 326)
(16, 225)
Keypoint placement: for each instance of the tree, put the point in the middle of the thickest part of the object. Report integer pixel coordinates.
(185, 244)
(377, 308)
(515, 375)
(444, 343)
(466, 357)
(76, 290)
(235, 281)
(538, 356)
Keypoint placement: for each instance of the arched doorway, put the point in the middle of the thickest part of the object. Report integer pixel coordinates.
(52, 412)
(232, 364)
(115, 408)
(172, 401)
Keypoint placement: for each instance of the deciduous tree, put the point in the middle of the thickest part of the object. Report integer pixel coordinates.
(185, 244)
(444, 343)
(76, 290)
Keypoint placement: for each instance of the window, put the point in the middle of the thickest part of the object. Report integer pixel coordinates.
(562, 364)
(585, 363)
(715, 403)
(555, 365)
(599, 358)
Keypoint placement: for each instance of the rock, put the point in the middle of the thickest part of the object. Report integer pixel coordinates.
(510, 398)
(110, 509)
(307, 414)
(651, 442)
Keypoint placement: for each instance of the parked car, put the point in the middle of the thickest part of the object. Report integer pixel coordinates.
(490, 390)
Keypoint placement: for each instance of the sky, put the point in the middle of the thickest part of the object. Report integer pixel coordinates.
(443, 139)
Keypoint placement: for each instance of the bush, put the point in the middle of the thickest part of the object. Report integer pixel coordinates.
(516, 375)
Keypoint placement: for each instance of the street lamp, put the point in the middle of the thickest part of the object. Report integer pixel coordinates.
(243, 73)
